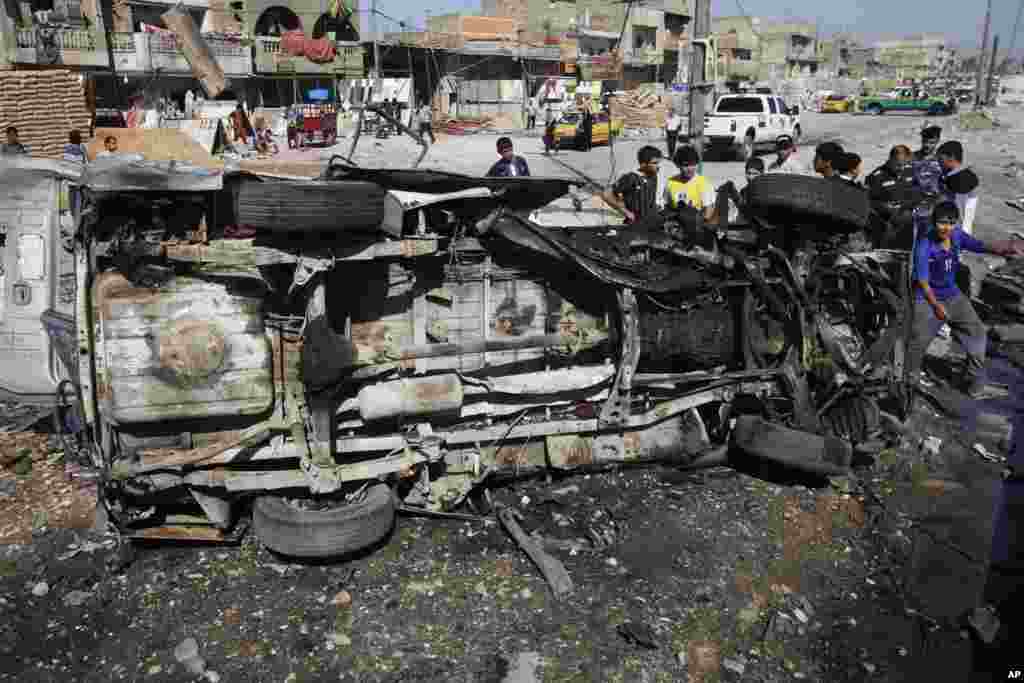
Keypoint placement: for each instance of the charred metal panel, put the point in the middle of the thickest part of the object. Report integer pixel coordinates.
(187, 350)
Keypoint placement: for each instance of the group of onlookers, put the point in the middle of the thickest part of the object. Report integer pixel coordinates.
(932, 183)
(74, 150)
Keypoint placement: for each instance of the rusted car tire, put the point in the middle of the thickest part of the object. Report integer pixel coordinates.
(782, 197)
(338, 531)
(309, 205)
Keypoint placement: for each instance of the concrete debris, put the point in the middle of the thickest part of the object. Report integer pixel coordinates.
(213, 677)
(985, 623)
(40, 589)
(987, 455)
(87, 547)
(76, 598)
(638, 634)
(187, 654)
(343, 599)
(978, 120)
(524, 669)
(801, 615)
(336, 639)
(736, 665)
(869, 667)
(681, 658)
(930, 446)
(566, 490)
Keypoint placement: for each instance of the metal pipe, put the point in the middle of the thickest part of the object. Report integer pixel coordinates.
(981, 59)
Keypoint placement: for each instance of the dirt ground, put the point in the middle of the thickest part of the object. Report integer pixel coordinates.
(725, 575)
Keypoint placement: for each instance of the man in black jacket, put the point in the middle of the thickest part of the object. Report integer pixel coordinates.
(510, 164)
(929, 143)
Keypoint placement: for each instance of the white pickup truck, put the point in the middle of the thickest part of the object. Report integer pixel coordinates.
(746, 122)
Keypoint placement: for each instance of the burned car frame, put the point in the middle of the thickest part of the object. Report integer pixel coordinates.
(322, 352)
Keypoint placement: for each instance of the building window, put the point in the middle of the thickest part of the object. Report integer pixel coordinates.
(341, 27)
(644, 37)
(742, 54)
(276, 20)
(149, 14)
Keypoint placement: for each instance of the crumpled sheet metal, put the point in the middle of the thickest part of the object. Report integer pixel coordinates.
(122, 175)
(21, 169)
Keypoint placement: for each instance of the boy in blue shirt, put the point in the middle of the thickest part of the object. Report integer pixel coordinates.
(939, 300)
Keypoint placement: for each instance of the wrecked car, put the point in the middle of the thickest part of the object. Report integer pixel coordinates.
(315, 354)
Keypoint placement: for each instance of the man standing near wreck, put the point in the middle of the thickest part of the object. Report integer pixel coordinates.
(635, 194)
(939, 301)
(510, 164)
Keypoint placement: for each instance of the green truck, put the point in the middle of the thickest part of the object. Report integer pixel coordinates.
(905, 100)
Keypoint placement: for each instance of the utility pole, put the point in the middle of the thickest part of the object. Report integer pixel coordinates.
(1013, 36)
(107, 15)
(981, 58)
(991, 70)
(698, 84)
(376, 46)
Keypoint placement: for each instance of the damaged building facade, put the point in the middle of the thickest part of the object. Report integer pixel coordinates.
(244, 37)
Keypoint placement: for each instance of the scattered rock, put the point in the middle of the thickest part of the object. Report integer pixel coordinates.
(40, 589)
(343, 599)
(76, 598)
(801, 615)
(930, 446)
(985, 623)
(337, 639)
(524, 669)
(154, 670)
(681, 658)
(638, 634)
(869, 667)
(612, 562)
(213, 677)
(187, 654)
(566, 490)
(736, 665)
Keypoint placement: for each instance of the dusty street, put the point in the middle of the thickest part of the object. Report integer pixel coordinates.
(729, 574)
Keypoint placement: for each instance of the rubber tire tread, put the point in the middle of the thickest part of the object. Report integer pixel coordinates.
(310, 205)
(343, 530)
(798, 198)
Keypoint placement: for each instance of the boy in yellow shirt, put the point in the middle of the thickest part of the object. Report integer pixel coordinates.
(689, 189)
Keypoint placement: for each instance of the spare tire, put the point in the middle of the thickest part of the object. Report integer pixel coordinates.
(778, 198)
(286, 529)
(309, 205)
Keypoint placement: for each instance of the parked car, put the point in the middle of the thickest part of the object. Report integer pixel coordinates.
(385, 338)
(836, 104)
(569, 131)
(906, 100)
(744, 123)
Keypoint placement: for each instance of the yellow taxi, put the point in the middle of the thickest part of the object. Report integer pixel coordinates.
(569, 129)
(836, 104)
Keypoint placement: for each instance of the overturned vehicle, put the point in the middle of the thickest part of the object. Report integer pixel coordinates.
(322, 353)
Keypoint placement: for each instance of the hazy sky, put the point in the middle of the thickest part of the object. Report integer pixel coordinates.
(959, 20)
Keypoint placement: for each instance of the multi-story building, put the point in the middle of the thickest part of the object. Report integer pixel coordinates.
(788, 50)
(915, 57)
(739, 47)
(243, 35)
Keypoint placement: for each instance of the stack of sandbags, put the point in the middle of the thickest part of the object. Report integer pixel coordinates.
(640, 108)
(44, 106)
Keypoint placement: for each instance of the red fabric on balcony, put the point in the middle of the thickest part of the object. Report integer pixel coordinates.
(320, 51)
(293, 43)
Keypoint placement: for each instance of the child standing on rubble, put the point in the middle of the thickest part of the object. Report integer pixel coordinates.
(939, 301)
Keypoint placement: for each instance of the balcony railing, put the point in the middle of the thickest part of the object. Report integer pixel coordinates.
(270, 58)
(644, 56)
